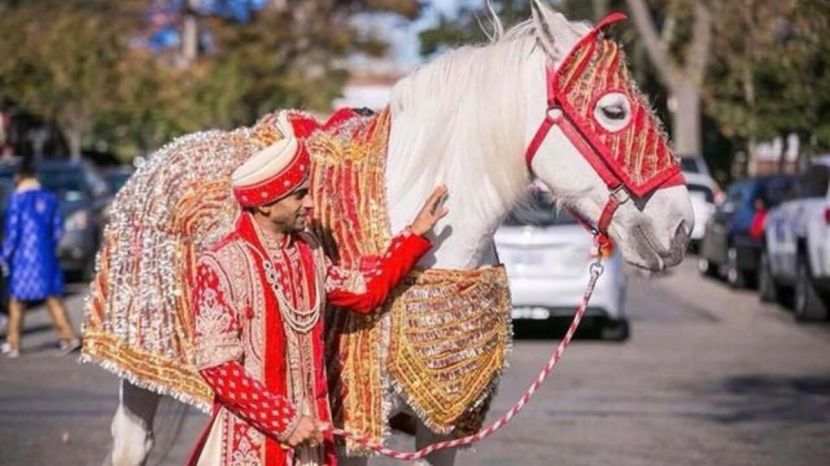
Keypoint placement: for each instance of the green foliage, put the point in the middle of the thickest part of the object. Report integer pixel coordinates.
(71, 62)
(60, 60)
(770, 71)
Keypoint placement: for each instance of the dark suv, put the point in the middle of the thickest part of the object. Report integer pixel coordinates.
(84, 195)
(728, 248)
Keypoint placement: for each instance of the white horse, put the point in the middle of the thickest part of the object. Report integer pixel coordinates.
(467, 120)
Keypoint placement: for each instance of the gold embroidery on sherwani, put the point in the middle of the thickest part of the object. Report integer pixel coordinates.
(288, 267)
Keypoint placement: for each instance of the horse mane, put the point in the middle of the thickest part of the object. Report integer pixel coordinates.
(462, 117)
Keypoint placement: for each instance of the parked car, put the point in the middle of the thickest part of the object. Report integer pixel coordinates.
(797, 253)
(117, 177)
(727, 248)
(547, 256)
(702, 191)
(694, 164)
(83, 194)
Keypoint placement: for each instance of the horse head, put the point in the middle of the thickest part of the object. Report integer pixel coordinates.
(594, 140)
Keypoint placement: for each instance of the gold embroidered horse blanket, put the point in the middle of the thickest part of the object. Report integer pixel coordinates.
(440, 341)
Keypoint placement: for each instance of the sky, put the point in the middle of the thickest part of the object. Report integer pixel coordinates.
(404, 35)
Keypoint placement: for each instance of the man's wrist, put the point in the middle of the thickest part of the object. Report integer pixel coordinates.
(412, 230)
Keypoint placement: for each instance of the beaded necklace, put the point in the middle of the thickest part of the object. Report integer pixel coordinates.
(298, 318)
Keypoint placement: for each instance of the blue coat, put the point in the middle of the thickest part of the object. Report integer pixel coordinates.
(33, 225)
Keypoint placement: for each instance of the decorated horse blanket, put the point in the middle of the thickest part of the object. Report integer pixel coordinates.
(440, 341)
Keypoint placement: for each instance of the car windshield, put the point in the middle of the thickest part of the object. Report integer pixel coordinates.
(70, 185)
(117, 181)
(689, 165)
(777, 190)
(538, 210)
(813, 183)
(701, 190)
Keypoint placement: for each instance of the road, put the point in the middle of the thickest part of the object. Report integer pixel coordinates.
(710, 376)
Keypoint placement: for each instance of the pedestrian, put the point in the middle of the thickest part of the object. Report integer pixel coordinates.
(32, 228)
(759, 219)
(258, 296)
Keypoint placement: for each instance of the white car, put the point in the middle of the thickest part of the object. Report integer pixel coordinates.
(797, 245)
(694, 164)
(547, 256)
(702, 194)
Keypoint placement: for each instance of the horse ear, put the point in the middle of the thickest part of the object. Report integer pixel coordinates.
(543, 22)
(554, 32)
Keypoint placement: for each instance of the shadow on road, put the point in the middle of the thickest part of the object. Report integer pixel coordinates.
(555, 329)
(763, 397)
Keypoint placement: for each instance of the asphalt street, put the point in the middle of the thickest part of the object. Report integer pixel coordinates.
(710, 376)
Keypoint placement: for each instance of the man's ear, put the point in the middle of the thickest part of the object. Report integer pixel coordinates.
(264, 210)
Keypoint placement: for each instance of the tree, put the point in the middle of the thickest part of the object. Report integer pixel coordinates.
(769, 71)
(60, 60)
(679, 54)
(77, 63)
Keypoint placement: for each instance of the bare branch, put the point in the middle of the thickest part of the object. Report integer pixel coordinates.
(666, 69)
(667, 34)
(701, 43)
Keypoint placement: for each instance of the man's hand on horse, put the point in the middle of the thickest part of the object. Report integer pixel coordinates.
(306, 432)
(432, 211)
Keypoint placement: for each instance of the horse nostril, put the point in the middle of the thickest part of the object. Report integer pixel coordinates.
(682, 234)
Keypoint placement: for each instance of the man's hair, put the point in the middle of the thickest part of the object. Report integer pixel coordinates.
(27, 169)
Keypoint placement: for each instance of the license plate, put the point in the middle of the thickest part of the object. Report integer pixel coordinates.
(530, 313)
(527, 258)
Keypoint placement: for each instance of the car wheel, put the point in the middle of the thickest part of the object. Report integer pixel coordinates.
(734, 275)
(705, 267)
(88, 272)
(615, 330)
(767, 288)
(807, 303)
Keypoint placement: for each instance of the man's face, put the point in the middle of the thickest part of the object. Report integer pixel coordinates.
(291, 213)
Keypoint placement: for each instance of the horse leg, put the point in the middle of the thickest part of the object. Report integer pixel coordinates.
(425, 437)
(352, 460)
(132, 426)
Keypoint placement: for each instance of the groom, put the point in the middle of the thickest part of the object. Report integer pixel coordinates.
(259, 294)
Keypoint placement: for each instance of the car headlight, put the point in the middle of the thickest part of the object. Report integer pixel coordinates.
(78, 220)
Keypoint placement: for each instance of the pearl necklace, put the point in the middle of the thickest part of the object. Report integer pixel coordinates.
(300, 320)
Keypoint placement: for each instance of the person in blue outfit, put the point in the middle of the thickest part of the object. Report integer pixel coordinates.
(32, 228)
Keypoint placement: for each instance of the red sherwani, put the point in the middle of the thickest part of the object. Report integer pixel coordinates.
(259, 337)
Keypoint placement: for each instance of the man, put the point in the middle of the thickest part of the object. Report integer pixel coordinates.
(32, 228)
(259, 294)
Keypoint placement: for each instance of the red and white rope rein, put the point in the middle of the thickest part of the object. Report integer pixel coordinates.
(596, 270)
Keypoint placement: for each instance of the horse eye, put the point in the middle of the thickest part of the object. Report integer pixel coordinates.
(614, 112)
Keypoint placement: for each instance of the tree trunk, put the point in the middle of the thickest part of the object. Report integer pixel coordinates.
(683, 78)
(190, 33)
(74, 140)
(686, 118)
(73, 125)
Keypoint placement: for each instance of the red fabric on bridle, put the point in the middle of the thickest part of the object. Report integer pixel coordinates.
(635, 158)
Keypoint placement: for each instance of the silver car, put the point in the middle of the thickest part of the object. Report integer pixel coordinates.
(547, 256)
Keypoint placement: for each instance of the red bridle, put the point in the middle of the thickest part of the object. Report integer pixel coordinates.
(586, 138)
